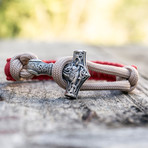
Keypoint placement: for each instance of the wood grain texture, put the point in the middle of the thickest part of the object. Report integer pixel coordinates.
(36, 114)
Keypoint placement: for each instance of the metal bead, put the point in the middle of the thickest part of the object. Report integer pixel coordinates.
(37, 67)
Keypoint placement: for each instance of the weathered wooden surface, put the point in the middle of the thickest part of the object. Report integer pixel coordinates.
(37, 115)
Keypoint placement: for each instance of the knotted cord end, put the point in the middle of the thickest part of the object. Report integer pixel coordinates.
(15, 68)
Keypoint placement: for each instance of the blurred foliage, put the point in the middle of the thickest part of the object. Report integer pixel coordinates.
(132, 15)
(95, 21)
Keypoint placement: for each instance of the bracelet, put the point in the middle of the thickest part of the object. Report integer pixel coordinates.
(71, 73)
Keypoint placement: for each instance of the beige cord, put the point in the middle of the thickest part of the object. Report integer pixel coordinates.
(127, 76)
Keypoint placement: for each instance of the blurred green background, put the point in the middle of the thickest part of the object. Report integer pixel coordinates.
(107, 22)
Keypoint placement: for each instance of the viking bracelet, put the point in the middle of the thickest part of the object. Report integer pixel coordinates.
(71, 73)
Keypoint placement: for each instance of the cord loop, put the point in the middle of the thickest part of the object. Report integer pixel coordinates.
(128, 74)
(133, 77)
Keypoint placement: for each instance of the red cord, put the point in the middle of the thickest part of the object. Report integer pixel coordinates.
(94, 75)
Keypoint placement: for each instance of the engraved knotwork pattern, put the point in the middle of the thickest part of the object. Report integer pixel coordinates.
(37, 67)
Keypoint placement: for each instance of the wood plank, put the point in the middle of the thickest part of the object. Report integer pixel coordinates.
(36, 114)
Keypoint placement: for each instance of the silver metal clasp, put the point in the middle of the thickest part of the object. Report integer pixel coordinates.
(37, 67)
(75, 73)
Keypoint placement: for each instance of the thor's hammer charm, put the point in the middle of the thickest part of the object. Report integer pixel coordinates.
(75, 73)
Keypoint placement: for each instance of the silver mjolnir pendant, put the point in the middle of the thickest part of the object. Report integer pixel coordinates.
(75, 73)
